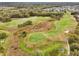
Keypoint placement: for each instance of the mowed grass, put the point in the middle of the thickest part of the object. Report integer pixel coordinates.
(36, 37)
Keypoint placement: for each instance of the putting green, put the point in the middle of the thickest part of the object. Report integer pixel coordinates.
(36, 37)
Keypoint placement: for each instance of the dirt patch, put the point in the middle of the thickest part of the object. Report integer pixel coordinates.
(43, 26)
(13, 49)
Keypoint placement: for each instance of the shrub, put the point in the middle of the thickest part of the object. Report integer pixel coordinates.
(5, 19)
(74, 41)
(1, 49)
(3, 36)
(77, 29)
(1, 18)
(74, 13)
(22, 34)
(25, 24)
(16, 15)
(73, 38)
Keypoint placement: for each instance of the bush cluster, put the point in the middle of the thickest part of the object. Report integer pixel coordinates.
(74, 42)
(7, 14)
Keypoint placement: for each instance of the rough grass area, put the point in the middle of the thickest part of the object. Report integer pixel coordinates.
(38, 38)
(65, 23)
(54, 48)
(23, 47)
(16, 21)
(3, 41)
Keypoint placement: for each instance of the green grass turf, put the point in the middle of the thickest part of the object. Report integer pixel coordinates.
(36, 37)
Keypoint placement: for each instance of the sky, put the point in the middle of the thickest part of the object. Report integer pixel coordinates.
(39, 0)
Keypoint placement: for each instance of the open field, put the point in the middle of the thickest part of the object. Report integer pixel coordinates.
(36, 31)
(36, 38)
